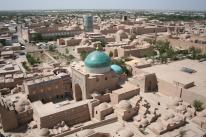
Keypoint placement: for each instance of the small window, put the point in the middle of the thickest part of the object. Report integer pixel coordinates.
(96, 112)
(105, 78)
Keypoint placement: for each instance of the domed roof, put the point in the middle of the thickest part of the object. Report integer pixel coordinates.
(103, 106)
(85, 133)
(20, 108)
(120, 32)
(117, 69)
(124, 104)
(125, 133)
(44, 132)
(97, 59)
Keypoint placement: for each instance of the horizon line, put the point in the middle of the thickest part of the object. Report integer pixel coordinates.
(120, 9)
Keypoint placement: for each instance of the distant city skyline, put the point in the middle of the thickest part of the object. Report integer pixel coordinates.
(103, 4)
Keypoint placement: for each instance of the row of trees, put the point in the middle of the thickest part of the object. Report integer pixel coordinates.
(164, 51)
(32, 60)
(52, 48)
(174, 17)
(39, 38)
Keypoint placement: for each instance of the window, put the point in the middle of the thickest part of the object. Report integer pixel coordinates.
(105, 78)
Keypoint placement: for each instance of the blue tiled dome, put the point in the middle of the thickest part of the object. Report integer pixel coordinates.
(97, 59)
(117, 69)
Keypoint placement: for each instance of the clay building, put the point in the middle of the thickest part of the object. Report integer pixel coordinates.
(50, 114)
(95, 74)
(182, 79)
(48, 87)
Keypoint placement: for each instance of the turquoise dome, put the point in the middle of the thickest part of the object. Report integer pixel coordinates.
(117, 69)
(97, 59)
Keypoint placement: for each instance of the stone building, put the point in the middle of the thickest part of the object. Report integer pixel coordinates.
(146, 81)
(120, 35)
(68, 41)
(126, 91)
(50, 114)
(125, 50)
(94, 75)
(15, 110)
(102, 110)
(184, 79)
(8, 117)
(125, 111)
(48, 88)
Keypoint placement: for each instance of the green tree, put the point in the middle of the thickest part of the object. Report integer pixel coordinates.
(111, 54)
(198, 105)
(121, 62)
(37, 37)
(83, 54)
(195, 53)
(52, 48)
(32, 60)
(71, 57)
(26, 67)
(3, 42)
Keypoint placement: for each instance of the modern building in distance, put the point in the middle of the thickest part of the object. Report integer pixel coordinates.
(88, 23)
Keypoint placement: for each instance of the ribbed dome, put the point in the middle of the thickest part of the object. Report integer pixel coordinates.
(44, 132)
(121, 32)
(97, 59)
(117, 69)
(124, 104)
(103, 106)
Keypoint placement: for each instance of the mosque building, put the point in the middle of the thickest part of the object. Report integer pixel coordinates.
(95, 74)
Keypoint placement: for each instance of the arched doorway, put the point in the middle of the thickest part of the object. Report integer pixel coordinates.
(77, 93)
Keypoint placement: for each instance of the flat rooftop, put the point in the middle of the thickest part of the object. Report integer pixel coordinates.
(52, 108)
(126, 87)
(172, 73)
(42, 79)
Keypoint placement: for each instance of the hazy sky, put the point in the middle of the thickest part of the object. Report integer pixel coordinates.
(103, 4)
